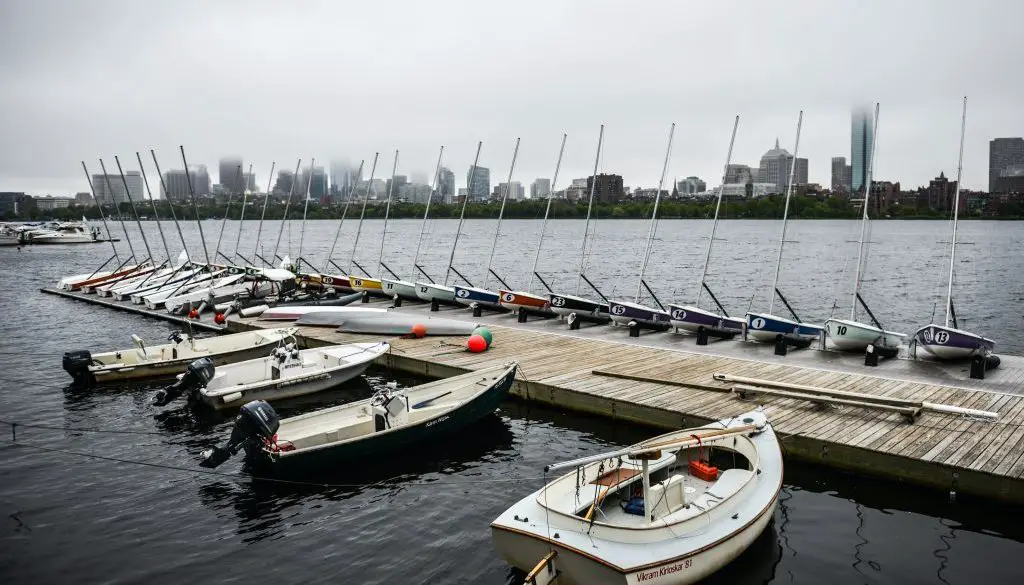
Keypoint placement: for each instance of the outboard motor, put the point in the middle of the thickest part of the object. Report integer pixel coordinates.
(389, 410)
(77, 364)
(196, 376)
(257, 423)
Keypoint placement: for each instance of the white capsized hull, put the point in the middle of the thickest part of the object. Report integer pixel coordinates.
(402, 288)
(429, 292)
(846, 335)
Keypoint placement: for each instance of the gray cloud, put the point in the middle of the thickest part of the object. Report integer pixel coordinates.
(278, 81)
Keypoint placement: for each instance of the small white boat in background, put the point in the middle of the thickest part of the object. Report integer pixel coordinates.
(63, 233)
(657, 511)
(287, 372)
(170, 358)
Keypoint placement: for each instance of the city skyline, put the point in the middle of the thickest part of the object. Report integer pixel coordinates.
(121, 104)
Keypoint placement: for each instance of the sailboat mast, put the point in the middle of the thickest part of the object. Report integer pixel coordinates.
(152, 204)
(131, 203)
(305, 208)
(110, 190)
(956, 214)
(864, 218)
(170, 204)
(99, 206)
(501, 212)
(266, 199)
(344, 214)
(785, 212)
(287, 204)
(654, 214)
(362, 214)
(462, 214)
(547, 211)
(718, 207)
(195, 206)
(590, 206)
(387, 212)
(245, 202)
(423, 226)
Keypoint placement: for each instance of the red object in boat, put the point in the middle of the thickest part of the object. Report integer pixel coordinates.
(219, 318)
(193, 314)
(700, 467)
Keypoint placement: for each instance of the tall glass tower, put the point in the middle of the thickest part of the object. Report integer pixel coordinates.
(861, 138)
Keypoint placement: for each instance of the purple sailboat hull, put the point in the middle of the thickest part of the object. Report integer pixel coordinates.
(623, 312)
(949, 344)
(692, 319)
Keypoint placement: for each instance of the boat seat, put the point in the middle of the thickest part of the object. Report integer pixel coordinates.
(729, 482)
(668, 496)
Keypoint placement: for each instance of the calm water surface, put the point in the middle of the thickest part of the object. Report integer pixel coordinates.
(424, 518)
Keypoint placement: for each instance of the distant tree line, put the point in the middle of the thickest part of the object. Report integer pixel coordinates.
(801, 207)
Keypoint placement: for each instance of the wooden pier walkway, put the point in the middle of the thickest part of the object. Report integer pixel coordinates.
(666, 381)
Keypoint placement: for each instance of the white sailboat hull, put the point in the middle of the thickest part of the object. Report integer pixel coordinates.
(402, 288)
(428, 292)
(846, 335)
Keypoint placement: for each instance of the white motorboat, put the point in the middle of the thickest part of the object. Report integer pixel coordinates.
(64, 233)
(657, 511)
(170, 358)
(285, 373)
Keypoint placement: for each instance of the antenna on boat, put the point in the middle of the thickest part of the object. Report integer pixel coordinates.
(195, 206)
(152, 204)
(785, 213)
(718, 207)
(547, 211)
(950, 315)
(423, 226)
(501, 213)
(344, 213)
(241, 220)
(99, 206)
(387, 212)
(131, 203)
(305, 208)
(287, 204)
(110, 191)
(170, 204)
(224, 220)
(590, 206)
(462, 214)
(654, 215)
(259, 228)
(864, 219)
(362, 214)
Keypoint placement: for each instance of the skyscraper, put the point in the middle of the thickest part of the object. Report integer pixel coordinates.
(1005, 158)
(110, 188)
(478, 182)
(861, 139)
(229, 175)
(445, 185)
(775, 168)
(540, 188)
(841, 174)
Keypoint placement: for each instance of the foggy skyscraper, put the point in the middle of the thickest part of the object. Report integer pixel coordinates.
(861, 138)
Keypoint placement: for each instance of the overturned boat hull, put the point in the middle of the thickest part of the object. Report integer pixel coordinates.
(846, 335)
(947, 343)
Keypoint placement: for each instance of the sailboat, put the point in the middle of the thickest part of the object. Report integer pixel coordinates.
(575, 307)
(368, 283)
(442, 293)
(519, 300)
(850, 334)
(472, 296)
(404, 288)
(767, 326)
(948, 341)
(625, 312)
(691, 317)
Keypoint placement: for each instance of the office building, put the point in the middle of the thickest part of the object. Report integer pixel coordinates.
(110, 188)
(540, 188)
(285, 181)
(940, 194)
(394, 187)
(175, 184)
(740, 174)
(607, 188)
(515, 189)
(230, 174)
(445, 185)
(841, 174)
(861, 139)
(775, 168)
(15, 204)
(478, 182)
(1005, 165)
(690, 186)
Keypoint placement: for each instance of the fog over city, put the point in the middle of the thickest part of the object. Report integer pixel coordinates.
(275, 81)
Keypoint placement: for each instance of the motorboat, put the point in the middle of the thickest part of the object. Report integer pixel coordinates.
(392, 420)
(673, 509)
(171, 358)
(287, 372)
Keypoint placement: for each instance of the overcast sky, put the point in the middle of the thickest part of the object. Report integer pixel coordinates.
(274, 81)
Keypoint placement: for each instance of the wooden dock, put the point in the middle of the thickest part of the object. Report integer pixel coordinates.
(664, 380)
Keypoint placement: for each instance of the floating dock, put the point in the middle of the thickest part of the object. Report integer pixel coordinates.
(666, 381)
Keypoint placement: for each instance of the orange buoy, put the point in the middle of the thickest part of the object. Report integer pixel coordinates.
(193, 314)
(476, 343)
(419, 330)
(219, 318)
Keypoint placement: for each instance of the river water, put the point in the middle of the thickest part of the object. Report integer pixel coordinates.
(130, 507)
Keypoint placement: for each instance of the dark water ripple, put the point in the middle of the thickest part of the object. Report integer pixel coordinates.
(423, 518)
